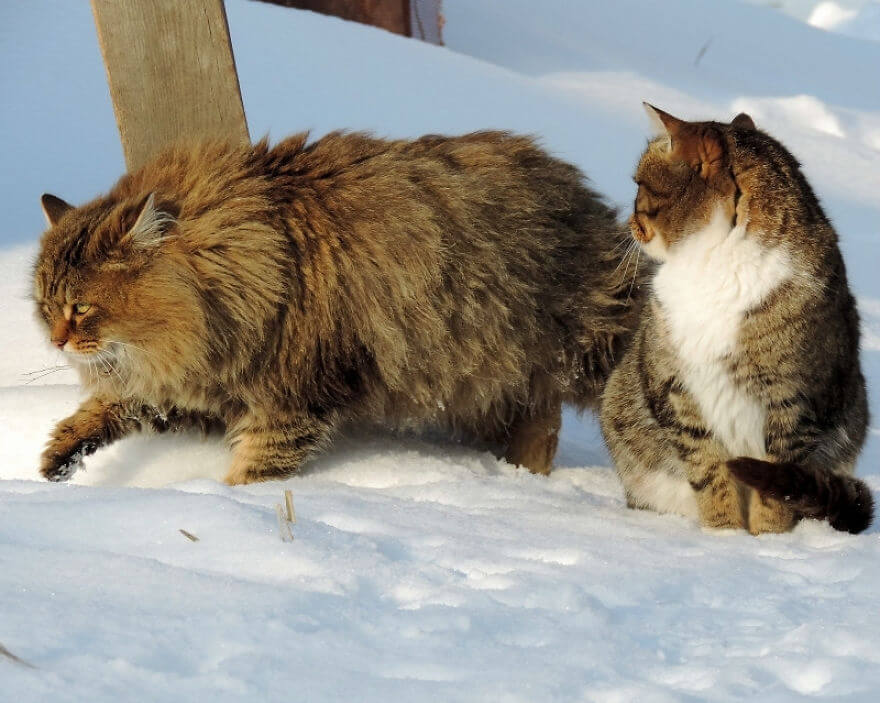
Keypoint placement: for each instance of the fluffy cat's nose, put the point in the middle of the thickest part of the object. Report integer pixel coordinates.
(60, 333)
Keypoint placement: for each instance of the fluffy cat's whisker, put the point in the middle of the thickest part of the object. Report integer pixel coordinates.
(56, 367)
(112, 380)
(115, 369)
(124, 345)
(110, 368)
(44, 374)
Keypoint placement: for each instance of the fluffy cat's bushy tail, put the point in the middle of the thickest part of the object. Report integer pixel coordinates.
(844, 501)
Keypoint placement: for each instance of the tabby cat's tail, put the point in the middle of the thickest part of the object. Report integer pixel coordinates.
(844, 501)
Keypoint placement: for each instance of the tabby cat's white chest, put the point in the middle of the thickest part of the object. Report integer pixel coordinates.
(705, 287)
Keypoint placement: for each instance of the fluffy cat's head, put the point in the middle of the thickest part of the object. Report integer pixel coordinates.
(109, 291)
(685, 178)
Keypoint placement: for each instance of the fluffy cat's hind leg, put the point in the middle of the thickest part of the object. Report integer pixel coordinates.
(273, 451)
(534, 437)
(718, 497)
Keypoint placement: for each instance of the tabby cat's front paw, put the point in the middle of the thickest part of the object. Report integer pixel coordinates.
(62, 465)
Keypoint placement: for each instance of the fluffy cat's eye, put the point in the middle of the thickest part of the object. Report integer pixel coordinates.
(82, 308)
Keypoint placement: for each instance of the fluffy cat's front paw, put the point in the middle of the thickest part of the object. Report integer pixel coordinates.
(60, 466)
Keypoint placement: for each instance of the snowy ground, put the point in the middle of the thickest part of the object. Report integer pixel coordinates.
(856, 18)
(427, 571)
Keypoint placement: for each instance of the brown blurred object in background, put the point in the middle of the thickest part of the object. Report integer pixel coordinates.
(422, 19)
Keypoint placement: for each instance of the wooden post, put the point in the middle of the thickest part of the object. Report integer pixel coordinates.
(171, 73)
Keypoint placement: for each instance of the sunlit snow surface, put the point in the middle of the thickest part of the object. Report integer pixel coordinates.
(427, 571)
(855, 18)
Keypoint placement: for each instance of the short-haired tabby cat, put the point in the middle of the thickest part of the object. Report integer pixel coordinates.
(741, 400)
(468, 283)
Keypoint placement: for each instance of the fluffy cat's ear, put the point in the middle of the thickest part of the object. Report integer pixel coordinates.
(742, 120)
(151, 225)
(53, 208)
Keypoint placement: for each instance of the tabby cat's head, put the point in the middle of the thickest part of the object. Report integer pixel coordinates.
(108, 289)
(684, 178)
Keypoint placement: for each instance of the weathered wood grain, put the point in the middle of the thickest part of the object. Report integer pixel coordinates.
(171, 73)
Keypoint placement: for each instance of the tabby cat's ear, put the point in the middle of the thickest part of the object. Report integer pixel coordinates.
(742, 120)
(53, 208)
(150, 227)
(698, 144)
(665, 125)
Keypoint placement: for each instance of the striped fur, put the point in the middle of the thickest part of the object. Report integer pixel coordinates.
(743, 386)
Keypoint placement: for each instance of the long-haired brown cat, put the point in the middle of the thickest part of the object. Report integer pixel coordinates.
(741, 401)
(467, 283)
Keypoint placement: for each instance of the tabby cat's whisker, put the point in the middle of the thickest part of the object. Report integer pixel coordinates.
(633, 252)
(635, 274)
(626, 240)
(625, 256)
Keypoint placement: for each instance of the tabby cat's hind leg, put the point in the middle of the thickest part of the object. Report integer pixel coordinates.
(718, 497)
(769, 515)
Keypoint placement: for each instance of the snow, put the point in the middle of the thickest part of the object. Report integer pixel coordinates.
(855, 18)
(864, 23)
(828, 15)
(424, 570)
